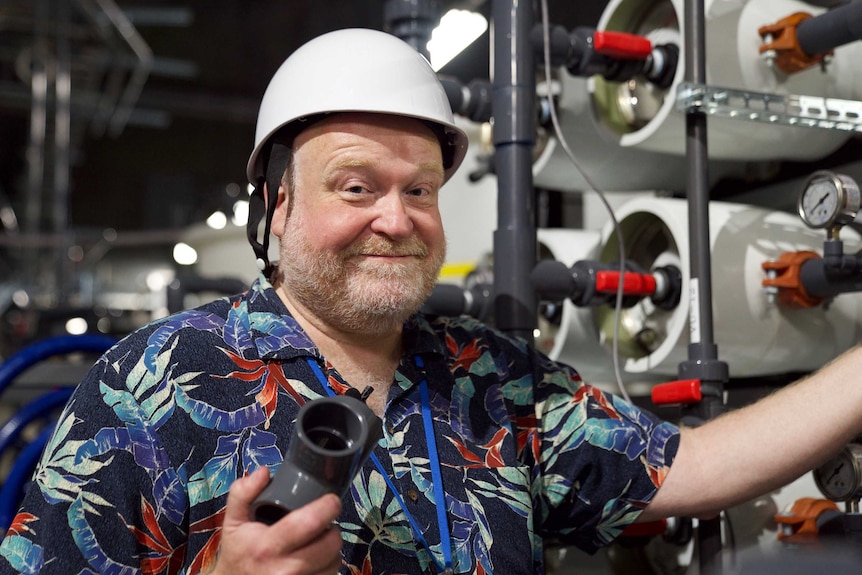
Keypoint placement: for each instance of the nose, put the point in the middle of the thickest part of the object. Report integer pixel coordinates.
(392, 217)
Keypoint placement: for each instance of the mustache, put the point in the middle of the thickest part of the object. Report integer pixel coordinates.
(381, 246)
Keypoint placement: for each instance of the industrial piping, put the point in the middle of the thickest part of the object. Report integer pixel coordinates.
(703, 363)
(514, 111)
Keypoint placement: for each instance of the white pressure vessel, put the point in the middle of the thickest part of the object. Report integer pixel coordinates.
(645, 117)
(755, 337)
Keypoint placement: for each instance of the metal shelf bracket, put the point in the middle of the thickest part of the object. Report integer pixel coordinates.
(791, 110)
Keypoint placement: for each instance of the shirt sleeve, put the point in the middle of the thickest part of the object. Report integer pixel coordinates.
(601, 459)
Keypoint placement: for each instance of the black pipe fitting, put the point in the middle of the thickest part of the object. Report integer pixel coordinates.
(412, 21)
(554, 282)
(669, 287)
(472, 100)
(823, 33)
(453, 300)
(833, 274)
(330, 441)
(576, 51)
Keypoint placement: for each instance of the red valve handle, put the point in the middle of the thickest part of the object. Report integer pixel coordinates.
(633, 283)
(648, 529)
(621, 45)
(683, 391)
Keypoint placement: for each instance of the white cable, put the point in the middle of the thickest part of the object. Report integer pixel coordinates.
(546, 32)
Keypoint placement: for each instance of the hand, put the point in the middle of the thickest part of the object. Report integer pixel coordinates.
(304, 541)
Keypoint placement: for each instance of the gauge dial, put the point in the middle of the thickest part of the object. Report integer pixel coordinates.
(829, 200)
(819, 203)
(840, 478)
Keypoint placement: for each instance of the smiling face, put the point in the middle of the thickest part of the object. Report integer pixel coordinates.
(362, 242)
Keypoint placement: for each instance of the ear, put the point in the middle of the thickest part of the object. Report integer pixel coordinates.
(279, 217)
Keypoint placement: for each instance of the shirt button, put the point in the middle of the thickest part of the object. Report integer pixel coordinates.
(412, 495)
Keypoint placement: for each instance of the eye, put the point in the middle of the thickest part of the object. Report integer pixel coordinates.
(418, 192)
(356, 189)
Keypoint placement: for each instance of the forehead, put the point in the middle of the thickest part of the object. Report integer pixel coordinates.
(384, 128)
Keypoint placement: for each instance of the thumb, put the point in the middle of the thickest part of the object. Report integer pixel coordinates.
(242, 493)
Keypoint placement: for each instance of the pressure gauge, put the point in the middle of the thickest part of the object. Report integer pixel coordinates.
(840, 478)
(829, 200)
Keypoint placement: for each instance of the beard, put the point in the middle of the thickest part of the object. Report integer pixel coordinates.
(351, 293)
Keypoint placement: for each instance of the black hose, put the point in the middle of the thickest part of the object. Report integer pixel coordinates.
(831, 29)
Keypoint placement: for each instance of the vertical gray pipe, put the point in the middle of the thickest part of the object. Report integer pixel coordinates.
(412, 21)
(38, 138)
(514, 93)
(60, 202)
(41, 86)
(62, 118)
(702, 351)
(698, 173)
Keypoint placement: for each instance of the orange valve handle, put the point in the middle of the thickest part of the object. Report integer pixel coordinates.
(785, 277)
(799, 525)
(780, 38)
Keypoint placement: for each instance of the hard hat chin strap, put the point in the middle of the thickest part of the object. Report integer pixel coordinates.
(261, 205)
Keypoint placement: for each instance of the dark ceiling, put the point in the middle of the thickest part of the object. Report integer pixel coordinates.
(192, 125)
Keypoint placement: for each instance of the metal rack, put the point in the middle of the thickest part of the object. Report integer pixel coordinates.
(789, 110)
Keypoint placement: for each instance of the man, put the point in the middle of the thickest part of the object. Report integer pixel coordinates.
(488, 446)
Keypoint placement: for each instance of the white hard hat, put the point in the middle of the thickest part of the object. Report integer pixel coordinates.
(356, 70)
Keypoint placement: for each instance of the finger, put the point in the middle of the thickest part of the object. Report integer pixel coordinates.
(243, 492)
(333, 567)
(302, 526)
(330, 544)
(322, 556)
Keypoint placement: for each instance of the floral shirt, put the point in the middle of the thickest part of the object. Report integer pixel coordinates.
(135, 477)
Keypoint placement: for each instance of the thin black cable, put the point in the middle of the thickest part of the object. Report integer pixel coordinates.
(617, 230)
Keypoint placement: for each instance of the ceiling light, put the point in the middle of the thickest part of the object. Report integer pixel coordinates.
(156, 280)
(457, 30)
(240, 213)
(217, 220)
(21, 298)
(184, 254)
(76, 326)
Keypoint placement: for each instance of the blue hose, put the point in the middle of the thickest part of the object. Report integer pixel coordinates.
(13, 489)
(39, 407)
(20, 361)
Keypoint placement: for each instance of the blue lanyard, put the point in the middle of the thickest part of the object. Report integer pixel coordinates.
(436, 475)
